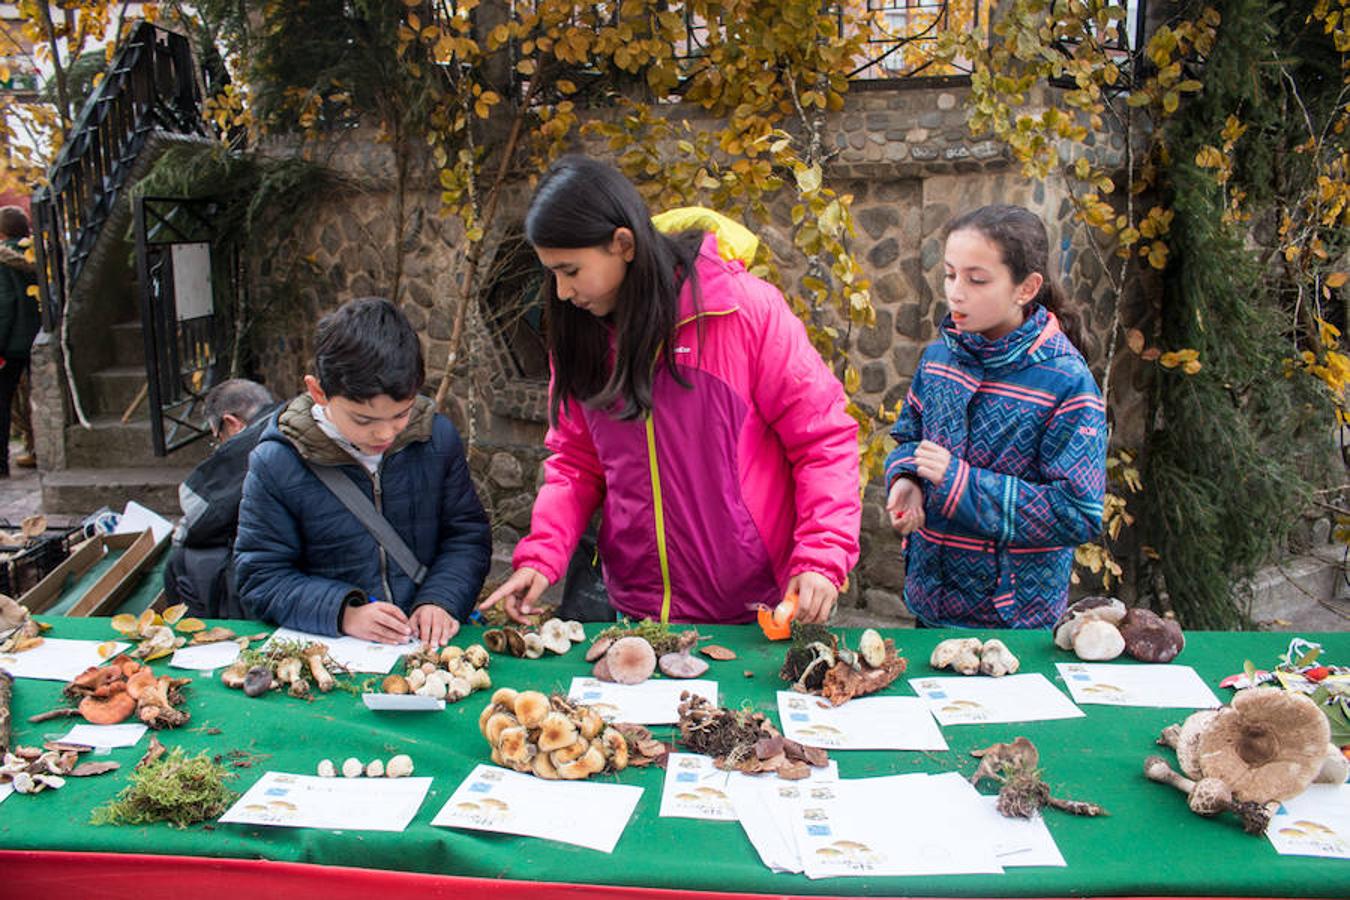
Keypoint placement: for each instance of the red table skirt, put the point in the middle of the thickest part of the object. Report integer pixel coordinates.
(32, 873)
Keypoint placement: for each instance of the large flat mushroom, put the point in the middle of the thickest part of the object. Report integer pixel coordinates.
(1267, 745)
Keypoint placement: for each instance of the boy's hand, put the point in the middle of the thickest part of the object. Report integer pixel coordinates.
(931, 460)
(433, 626)
(519, 591)
(383, 622)
(905, 506)
(815, 596)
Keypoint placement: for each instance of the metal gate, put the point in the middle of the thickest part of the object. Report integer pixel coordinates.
(186, 290)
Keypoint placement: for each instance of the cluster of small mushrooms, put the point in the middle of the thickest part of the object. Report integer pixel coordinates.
(550, 737)
(113, 693)
(287, 664)
(452, 674)
(1267, 746)
(1102, 628)
(554, 635)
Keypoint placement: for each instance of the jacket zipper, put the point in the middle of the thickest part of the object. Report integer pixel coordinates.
(659, 513)
(379, 508)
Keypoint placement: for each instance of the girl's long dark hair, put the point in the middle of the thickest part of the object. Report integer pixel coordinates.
(1020, 237)
(579, 203)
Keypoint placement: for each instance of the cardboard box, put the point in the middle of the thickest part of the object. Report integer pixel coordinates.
(112, 587)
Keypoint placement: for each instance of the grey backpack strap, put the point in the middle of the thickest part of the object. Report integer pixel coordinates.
(360, 506)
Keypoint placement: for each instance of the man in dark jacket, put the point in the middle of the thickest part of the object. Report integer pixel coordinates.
(303, 559)
(199, 571)
(19, 320)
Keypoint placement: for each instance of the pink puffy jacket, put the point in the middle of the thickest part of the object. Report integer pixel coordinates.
(727, 489)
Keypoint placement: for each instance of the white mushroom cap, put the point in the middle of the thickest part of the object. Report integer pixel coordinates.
(1188, 741)
(1098, 639)
(1106, 609)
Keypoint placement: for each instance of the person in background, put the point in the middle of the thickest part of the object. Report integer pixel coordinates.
(199, 571)
(19, 320)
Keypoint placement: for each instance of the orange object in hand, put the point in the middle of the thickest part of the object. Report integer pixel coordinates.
(776, 623)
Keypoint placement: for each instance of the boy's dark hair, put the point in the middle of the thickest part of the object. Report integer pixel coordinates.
(580, 202)
(1021, 239)
(367, 348)
(14, 223)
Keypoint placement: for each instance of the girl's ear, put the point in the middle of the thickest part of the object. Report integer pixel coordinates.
(1029, 288)
(623, 243)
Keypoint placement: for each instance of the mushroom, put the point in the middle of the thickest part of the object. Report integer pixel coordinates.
(314, 655)
(534, 646)
(630, 661)
(997, 660)
(258, 681)
(1266, 745)
(515, 642)
(480, 680)
(352, 768)
(233, 676)
(598, 649)
(682, 665)
(395, 684)
(477, 656)
(1185, 739)
(531, 707)
(110, 710)
(601, 669)
(553, 635)
(290, 670)
(451, 654)
(495, 638)
(872, 648)
(1149, 637)
(400, 766)
(375, 769)
(326, 769)
(416, 678)
(1098, 639)
(961, 654)
(1089, 609)
(555, 732)
(576, 632)
(1335, 768)
(1209, 796)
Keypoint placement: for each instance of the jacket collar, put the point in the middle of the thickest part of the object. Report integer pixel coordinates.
(1037, 338)
(717, 289)
(296, 425)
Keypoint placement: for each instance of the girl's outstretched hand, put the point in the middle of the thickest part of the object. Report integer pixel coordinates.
(905, 506)
(520, 591)
(931, 460)
(815, 596)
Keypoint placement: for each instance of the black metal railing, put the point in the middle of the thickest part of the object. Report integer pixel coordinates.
(150, 86)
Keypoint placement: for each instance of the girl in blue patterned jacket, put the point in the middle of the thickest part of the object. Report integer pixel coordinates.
(1001, 459)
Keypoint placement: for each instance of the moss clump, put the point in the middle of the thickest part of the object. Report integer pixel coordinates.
(660, 635)
(179, 789)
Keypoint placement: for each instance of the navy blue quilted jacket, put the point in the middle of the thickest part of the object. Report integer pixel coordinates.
(300, 554)
(1026, 427)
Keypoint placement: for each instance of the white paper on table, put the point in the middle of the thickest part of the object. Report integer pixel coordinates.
(695, 789)
(765, 808)
(105, 735)
(655, 701)
(851, 828)
(402, 702)
(982, 699)
(1165, 686)
(58, 659)
(1315, 823)
(1019, 842)
(136, 518)
(865, 723)
(588, 814)
(353, 653)
(205, 657)
(5, 790)
(308, 801)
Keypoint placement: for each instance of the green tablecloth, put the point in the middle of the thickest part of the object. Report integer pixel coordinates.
(1150, 843)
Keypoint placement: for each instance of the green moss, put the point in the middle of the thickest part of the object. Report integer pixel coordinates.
(179, 789)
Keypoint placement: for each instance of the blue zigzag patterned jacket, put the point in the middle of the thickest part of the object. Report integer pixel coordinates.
(1026, 427)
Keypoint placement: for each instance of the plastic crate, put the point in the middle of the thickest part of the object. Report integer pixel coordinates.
(23, 567)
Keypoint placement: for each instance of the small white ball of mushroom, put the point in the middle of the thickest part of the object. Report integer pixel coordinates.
(327, 769)
(352, 768)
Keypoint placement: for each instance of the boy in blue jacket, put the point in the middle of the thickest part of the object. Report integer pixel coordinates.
(303, 560)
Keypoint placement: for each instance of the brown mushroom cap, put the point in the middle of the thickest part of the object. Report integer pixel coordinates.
(1268, 745)
(1149, 637)
(1106, 609)
(631, 660)
(1188, 741)
(107, 710)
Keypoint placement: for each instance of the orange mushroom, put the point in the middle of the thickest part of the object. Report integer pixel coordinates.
(109, 710)
(138, 683)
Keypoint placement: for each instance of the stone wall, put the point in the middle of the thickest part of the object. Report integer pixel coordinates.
(904, 154)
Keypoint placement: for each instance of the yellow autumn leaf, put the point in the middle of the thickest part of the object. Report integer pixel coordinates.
(31, 290)
(1134, 339)
(1335, 279)
(174, 613)
(1191, 366)
(191, 626)
(1208, 157)
(106, 649)
(852, 380)
(148, 620)
(125, 623)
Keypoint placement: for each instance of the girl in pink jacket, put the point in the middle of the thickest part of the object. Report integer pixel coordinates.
(687, 400)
